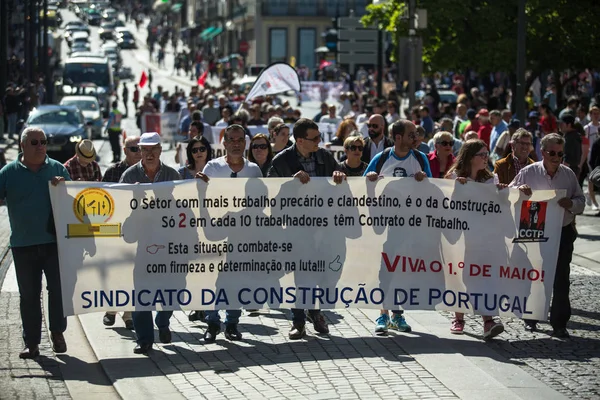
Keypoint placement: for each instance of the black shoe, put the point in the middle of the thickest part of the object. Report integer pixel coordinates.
(319, 323)
(210, 335)
(59, 345)
(298, 331)
(30, 351)
(196, 316)
(129, 325)
(109, 319)
(164, 335)
(560, 333)
(143, 348)
(232, 333)
(530, 326)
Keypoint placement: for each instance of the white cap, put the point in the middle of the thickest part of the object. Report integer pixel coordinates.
(149, 139)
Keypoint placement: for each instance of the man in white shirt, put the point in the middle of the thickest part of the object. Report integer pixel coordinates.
(592, 130)
(231, 165)
(331, 118)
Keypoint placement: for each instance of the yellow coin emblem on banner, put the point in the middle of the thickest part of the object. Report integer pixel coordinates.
(93, 207)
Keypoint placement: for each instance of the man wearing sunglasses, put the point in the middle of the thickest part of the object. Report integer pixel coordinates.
(133, 155)
(305, 160)
(551, 174)
(24, 187)
(377, 140)
(149, 170)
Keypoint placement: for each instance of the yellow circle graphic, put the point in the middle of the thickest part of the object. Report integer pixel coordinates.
(93, 206)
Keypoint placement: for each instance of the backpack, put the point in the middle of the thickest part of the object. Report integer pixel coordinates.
(386, 153)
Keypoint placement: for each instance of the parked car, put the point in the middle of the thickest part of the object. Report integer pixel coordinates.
(106, 31)
(64, 126)
(90, 108)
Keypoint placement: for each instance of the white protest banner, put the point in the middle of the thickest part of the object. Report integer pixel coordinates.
(322, 91)
(277, 78)
(252, 243)
(164, 124)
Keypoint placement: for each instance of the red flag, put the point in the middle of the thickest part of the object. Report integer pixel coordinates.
(202, 79)
(143, 79)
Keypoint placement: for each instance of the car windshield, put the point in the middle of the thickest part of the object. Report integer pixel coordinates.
(107, 26)
(83, 105)
(54, 117)
(76, 73)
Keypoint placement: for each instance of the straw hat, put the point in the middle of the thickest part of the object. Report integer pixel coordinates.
(85, 150)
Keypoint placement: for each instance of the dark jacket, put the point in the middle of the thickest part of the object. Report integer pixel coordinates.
(366, 156)
(505, 168)
(286, 163)
(573, 150)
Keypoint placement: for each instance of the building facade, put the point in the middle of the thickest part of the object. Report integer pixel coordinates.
(266, 31)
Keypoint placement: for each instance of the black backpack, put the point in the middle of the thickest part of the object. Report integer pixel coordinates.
(386, 153)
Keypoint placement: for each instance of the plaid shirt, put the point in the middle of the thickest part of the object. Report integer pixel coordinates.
(114, 172)
(90, 172)
(309, 164)
(517, 165)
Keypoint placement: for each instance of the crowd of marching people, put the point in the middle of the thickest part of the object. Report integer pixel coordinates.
(467, 144)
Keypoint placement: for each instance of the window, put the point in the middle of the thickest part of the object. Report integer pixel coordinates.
(277, 44)
(277, 7)
(306, 7)
(307, 43)
(360, 7)
(336, 8)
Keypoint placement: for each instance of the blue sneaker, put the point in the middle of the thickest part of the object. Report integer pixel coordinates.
(399, 323)
(382, 324)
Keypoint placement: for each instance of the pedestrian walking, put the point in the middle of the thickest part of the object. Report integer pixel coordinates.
(125, 98)
(113, 127)
(136, 96)
(24, 187)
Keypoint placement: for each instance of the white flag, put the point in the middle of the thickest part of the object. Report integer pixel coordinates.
(277, 78)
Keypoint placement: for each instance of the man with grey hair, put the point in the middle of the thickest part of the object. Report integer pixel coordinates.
(24, 186)
(508, 167)
(551, 174)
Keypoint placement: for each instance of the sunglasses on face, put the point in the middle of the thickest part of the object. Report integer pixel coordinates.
(133, 149)
(354, 148)
(260, 146)
(483, 154)
(374, 126)
(553, 153)
(198, 149)
(445, 143)
(316, 139)
(35, 142)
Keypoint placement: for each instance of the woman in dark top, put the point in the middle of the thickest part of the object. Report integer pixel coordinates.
(353, 165)
(261, 152)
(198, 154)
(343, 132)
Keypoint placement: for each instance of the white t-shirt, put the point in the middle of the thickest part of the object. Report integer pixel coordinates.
(592, 131)
(218, 168)
(400, 167)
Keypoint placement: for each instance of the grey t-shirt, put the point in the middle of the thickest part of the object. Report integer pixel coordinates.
(136, 173)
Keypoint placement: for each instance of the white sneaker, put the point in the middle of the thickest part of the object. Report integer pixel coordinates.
(595, 207)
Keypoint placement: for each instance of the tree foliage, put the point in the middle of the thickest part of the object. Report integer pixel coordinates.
(482, 35)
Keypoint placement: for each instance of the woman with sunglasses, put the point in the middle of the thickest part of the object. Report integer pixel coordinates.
(198, 154)
(261, 152)
(471, 165)
(353, 165)
(441, 159)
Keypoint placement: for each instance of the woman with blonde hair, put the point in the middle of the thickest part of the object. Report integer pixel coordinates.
(353, 165)
(471, 165)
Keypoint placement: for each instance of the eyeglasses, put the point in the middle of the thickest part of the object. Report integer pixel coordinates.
(35, 142)
(445, 143)
(233, 175)
(153, 150)
(483, 154)
(316, 139)
(374, 126)
(354, 148)
(553, 153)
(525, 144)
(133, 149)
(198, 149)
(260, 146)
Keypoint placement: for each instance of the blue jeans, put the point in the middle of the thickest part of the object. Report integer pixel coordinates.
(12, 123)
(232, 317)
(30, 263)
(142, 323)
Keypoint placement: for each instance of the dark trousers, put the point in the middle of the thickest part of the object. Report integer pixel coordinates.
(142, 323)
(299, 317)
(115, 145)
(30, 263)
(560, 309)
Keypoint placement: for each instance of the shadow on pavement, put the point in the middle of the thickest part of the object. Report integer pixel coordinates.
(586, 314)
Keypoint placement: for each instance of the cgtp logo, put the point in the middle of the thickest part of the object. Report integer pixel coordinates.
(532, 222)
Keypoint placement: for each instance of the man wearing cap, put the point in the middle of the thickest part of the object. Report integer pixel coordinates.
(485, 127)
(150, 170)
(508, 167)
(83, 166)
(113, 174)
(24, 186)
(573, 141)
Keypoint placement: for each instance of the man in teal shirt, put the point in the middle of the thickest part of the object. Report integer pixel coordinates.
(24, 188)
